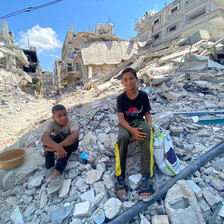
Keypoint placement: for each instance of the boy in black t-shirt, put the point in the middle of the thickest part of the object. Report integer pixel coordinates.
(132, 106)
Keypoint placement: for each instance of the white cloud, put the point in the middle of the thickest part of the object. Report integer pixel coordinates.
(155, 9)
(44, 39)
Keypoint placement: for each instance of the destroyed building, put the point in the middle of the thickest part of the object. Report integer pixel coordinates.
(180, 19)
(87, 56)
(47, 78)
(57, 73)
(22, 62)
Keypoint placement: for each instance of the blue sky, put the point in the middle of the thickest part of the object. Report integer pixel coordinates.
(47, 27)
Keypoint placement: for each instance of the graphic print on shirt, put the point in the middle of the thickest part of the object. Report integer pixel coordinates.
(133, 112)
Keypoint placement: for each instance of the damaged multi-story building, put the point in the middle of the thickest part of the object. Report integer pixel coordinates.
(180, 19)
(22, 62)
(87, 56)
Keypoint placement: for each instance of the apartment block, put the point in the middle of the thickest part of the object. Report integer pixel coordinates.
(89, 56)
(180, 19)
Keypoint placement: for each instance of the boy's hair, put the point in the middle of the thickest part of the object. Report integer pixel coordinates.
(57, 107)
(128, 70)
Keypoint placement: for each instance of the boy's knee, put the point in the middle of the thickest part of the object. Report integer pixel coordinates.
(123, 137)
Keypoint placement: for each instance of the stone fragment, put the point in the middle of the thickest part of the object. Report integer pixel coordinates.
(16, 216)
(93, 176)
(197, 190)
(160, 219)
(2, 174)
(127, 204)
(203, 133)
(98, 187)
(218, 164)
(143, 220)
(99, 197)
(82, 209)
(203, 205)
(182, 206)
(112, 207)
(43, 196)
(210, 105)
(88, 196)
(102, 137)
(134, 180)
(210, 197)
(89, 138)
(173, 96)
(9, 180)
(176, 129)
(36, 180)
(71, 165)
(81, 185)
(163, 119)
(29, 210)
(217, 183)
(109, 183)
(63, 191)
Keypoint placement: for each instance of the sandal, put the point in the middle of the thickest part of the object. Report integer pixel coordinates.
(120, 185)
(147, 187)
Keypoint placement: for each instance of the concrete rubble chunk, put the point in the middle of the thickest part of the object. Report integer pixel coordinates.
(43, 196)
(9, 180)
(197, 190)
(63, 191)
(173, 96)
(88, 196)
(217, 183)
(89, 138)
(82, 209)
(158, 219)
(143, 220)
(16, 216)
(2, 174)
(93, 176)
(182, 206)
(112, 207)
(36, 180)
(219, 164)
(134, 180)
(211, 197)
(109, 183)
(29, 210)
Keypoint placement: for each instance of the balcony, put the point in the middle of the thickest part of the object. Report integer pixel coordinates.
(192, 3)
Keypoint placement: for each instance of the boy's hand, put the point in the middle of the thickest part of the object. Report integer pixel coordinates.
(61, 153)
(138, 135)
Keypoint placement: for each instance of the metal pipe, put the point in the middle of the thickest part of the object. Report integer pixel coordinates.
(142, 206)
(215, 214)
(195, 113)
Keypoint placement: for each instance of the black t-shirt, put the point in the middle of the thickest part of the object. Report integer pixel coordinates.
(133, 109)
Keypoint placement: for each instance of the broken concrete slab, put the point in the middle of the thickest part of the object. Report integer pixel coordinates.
(182, 206)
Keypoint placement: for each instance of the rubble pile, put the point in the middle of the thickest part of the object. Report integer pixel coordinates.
(9, 89)
(186, 95)
(89, 184)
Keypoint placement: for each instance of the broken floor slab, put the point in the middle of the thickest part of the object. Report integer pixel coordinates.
(182, 206)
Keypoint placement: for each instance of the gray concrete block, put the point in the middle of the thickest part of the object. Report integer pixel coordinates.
(182, 206)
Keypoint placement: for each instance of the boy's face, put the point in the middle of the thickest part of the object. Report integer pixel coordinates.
(60, 117)
(129, 81)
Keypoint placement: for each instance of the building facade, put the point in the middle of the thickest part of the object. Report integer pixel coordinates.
(180, 19)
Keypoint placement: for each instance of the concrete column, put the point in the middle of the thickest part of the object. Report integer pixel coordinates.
(90, 72)
(7, 62)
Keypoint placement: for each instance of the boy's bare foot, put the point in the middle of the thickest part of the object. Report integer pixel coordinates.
(144, 195)
(146, 188)
(121, 193)
(56, 173)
